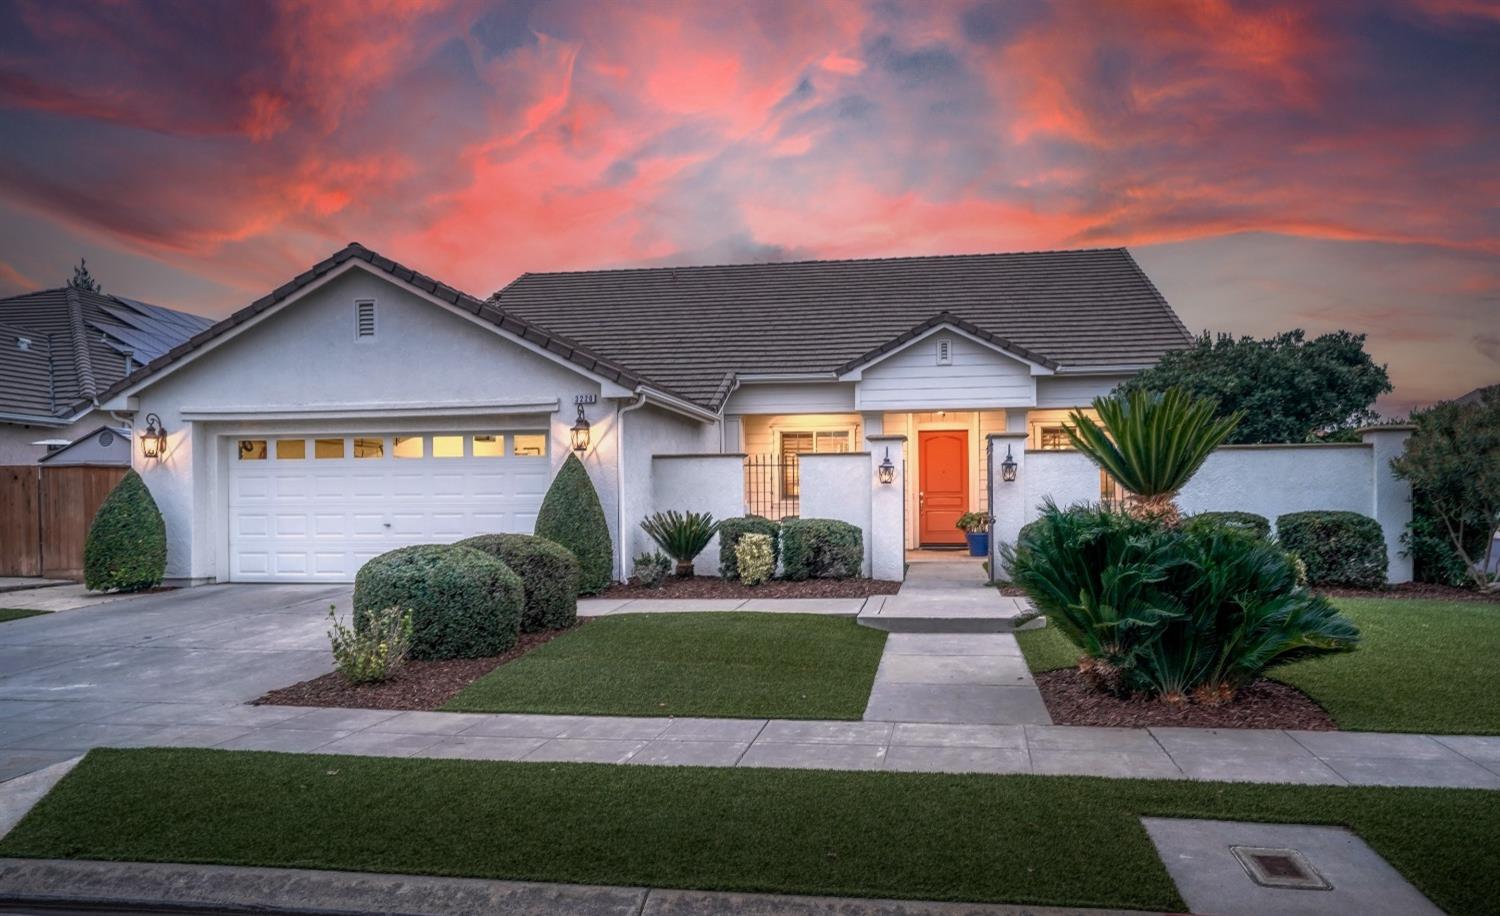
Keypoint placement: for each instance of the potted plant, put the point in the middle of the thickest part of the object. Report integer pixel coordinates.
(976, 529)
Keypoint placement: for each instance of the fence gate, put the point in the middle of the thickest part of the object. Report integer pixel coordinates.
(45, 513)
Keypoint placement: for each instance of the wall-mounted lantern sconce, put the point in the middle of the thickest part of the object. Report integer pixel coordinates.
(154, 439)
(581, 432)
(887, 470)
(1008, 467)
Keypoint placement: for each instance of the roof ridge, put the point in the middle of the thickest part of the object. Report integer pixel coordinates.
(83, 364)
(803, 261)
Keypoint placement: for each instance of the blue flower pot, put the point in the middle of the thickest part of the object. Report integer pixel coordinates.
(979, 543)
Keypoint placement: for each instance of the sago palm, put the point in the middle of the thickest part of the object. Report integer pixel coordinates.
(1152, 443)
(681, 535)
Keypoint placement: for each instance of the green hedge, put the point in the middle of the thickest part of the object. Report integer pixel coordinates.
(1338, 548)
(126, 547)
(1248, 522)
(549, 574)
(464, 603)
(730, 532)
(821, 548)
(572, 516)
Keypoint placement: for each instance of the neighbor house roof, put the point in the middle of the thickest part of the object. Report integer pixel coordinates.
(62, 347)
(693, 329)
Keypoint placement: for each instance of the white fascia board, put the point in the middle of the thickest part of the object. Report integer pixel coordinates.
(383, 410)
(608, 388)
(1104, 370)
(678, 405)
(29, 420)
(857, 373)
(768, 378)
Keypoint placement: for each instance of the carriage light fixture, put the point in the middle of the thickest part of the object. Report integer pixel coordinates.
(154, 439)
(581, 431)
(887, 470)
(1008, 467)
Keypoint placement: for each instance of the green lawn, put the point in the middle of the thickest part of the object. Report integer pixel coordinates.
(18, 613)
(784, 666)
(1422, 666)
(1024, 839)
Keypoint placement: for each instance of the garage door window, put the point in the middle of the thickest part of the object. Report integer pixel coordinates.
(365, 447)
(291, 449)
(489, 446)
(529, 445)
(328, 448)
(252, 450)
(447, 446)
(408, 447)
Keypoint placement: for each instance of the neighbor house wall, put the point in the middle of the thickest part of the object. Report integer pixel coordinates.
(306, 357)
(16, 438)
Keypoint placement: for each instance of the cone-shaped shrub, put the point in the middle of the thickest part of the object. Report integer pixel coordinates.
(572, 516)
(126, 549)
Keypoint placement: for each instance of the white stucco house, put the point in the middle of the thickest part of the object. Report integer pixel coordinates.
(363, 406)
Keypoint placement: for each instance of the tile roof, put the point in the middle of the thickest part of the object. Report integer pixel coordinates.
(552, 342)
(684, 328)
(77, 343)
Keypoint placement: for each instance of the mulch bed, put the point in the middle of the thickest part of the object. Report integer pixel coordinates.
(1413, 590)
(714, 587)
(417, 685)
(1073, 700)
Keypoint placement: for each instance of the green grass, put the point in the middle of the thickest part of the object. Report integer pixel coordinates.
(1024, 839)
(18, 613)
(1421, 666)
(785, 666)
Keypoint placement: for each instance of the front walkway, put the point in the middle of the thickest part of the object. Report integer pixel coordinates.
(958, 678)
(944, 595)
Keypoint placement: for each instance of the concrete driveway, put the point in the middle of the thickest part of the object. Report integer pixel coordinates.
(91, 667)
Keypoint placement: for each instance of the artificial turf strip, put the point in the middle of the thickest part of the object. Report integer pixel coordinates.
(1421, 666)
(1071, 841)
(782, 666)
(18, 613)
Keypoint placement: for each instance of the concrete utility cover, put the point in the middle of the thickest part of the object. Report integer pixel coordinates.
(1212, 862)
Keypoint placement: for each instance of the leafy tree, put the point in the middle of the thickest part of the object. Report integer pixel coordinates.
(1453, 463)
(84, 280)
(1289, 388)
(1152, 443)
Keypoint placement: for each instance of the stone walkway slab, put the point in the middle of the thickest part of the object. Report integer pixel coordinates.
(970, 678)
(944, 596)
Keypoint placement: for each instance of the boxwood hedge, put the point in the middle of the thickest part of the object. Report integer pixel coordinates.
(1248, 522)
(1338, 548)
(464, 603)
(549, 575)
(820, 548)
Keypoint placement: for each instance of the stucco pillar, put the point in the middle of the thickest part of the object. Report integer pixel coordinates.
(1391, 496)
(1007, 500)
(837, 485)
(887, 538)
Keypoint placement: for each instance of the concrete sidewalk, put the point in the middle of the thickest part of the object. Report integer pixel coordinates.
(840, 607)
(947, 595)
(958, 678)
(127, 885)
(34, 734)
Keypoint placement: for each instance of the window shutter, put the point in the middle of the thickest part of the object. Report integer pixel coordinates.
(364, 319)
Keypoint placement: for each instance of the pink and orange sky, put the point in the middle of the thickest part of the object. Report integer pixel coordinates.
(1272, 165)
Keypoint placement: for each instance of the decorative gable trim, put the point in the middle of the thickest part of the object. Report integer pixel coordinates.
(853, 371)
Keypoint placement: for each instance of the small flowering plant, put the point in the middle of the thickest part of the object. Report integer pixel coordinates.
(374, 648)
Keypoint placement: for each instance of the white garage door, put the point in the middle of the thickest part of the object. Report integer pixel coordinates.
(315, 508)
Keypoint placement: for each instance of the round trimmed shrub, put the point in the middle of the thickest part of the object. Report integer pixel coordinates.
(821, 548)
(464, 603)
(730, 532)
(1338, 548)
(549, 575)
(572, 516)
(126, 547)
(1248, 522)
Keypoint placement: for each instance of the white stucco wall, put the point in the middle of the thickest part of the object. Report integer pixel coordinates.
(700, 483)
(791, 397)
(838, 486)
(977, 376)
(1269, 480)
(649, 431)
(305, 356)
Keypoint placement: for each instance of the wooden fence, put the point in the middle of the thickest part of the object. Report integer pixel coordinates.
(45, 513)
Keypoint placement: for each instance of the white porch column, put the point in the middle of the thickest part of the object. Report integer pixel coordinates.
(887, 545)
(1007, 500)
(1390, 503)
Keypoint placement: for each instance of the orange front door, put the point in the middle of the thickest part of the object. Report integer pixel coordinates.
(943, 496)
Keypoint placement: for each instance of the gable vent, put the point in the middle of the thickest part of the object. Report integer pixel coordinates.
(945, 352)
(364, 319)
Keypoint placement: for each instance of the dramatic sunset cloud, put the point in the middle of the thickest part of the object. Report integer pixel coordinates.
(1272, 165)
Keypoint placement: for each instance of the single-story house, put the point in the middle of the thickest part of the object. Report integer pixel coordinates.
(362, 406)
(61, 348)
